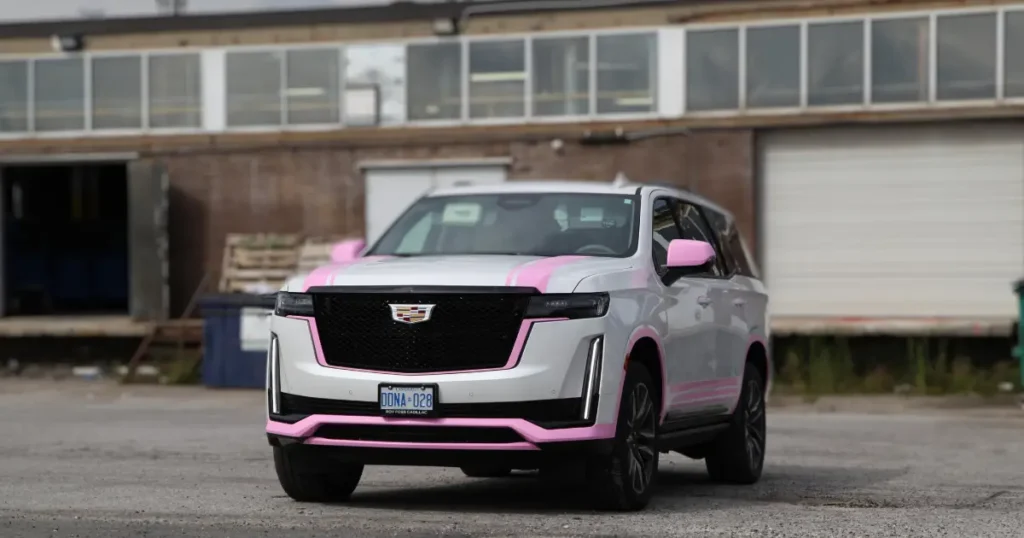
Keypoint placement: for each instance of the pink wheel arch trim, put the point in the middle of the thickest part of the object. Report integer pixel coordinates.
(537, 273)
(533, 434)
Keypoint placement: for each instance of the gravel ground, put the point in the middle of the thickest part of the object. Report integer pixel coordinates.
(94, 460)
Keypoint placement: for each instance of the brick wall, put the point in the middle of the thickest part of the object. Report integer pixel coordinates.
(320, 190)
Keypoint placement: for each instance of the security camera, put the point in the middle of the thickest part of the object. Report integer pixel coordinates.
(67, 43)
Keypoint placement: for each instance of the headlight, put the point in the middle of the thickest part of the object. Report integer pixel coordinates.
(293, 304)
(569, 305)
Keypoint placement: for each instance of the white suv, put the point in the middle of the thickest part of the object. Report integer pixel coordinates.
(526, 326)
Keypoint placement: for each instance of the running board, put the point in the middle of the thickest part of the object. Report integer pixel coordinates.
(695, 436)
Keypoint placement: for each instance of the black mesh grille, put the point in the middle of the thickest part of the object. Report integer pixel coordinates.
(537, 411)
(466, 331)
(418, 434)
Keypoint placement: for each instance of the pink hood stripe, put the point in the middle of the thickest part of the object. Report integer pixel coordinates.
(538, 273)
(322, 276)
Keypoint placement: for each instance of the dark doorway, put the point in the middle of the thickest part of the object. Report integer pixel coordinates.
(65, 239)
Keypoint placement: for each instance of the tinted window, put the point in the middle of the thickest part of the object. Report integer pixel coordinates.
(695, 228)
(664, 231)
(731, 243)
(531, 224)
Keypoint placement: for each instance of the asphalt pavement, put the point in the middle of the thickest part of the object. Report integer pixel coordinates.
(96, 460)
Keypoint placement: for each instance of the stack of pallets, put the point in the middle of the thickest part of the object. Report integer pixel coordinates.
(258, 263)
(316, 251)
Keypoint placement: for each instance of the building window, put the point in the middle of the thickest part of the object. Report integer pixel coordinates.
(835, 63)
(627, 73)
(966, 56)
(1013, 62)
(712, 70)
(313, 89)
(254, 88)
(497, 79)
(59, 94)
(380, 69)
(899, 60)
(561, 76)
(773, 66)
(175, 91)
(13, 97)
(434, 81)
(117, 92)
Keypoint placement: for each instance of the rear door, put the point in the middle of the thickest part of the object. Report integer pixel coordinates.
(148, 186)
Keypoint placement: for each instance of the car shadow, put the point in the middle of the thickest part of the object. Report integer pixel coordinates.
(526, 493)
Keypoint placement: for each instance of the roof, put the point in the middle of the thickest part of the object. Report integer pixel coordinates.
(379, 13)
(553, 186)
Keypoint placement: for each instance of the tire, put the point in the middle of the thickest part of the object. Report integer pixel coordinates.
(484, 471)
(737, 456)
(307, 484)
(616, 481)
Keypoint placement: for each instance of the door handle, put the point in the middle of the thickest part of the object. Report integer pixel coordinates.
(739, 302)
(703, 301)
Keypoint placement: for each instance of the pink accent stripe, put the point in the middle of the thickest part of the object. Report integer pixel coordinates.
(538, 273)
(513, 357)
(529, 431)
(420, 446)
(691, 397)
(322, 275)
(707, 384)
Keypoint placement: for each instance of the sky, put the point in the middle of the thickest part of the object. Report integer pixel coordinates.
(20, 10)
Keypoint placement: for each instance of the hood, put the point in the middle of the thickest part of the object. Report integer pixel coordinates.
(558, 274)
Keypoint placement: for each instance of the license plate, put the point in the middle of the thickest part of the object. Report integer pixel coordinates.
(416, 400)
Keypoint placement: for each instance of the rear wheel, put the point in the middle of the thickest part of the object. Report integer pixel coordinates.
(737, 456)
(624, 479)
(485, 471)
(305, 481)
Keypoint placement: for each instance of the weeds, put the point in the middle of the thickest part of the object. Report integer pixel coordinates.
(815, 366)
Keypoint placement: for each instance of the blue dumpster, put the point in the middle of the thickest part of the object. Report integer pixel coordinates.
(234, 346)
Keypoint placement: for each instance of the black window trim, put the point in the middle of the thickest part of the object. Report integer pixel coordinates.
(714, 239)
(702, 210)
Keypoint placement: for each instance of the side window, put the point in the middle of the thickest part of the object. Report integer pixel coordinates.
(720, 227)
(694, 227)
(664, 230)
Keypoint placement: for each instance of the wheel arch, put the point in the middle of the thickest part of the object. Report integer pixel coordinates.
(645, 348)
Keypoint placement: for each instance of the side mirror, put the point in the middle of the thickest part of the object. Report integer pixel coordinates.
(347, 250)
(689, 254)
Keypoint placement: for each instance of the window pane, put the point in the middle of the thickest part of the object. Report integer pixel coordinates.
(380, 67)
(254, 88)
(314, 86)
(899, 60)
(966, 56)
(434, 78)
(835, 63)
(497, 79)
(561, 76)
(1014, 60)
(773, 66)
(13, 97)
(117, 93)
(60, 95)
(175, 91)
(627, 71)
(712, 70)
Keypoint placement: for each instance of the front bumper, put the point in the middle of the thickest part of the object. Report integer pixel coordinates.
(533, 406)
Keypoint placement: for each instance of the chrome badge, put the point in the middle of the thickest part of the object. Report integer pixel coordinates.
(411, 313)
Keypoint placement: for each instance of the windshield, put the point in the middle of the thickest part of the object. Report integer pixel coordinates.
(531, 224)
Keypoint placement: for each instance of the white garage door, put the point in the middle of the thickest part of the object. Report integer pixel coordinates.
(391, 188)
(894, 221)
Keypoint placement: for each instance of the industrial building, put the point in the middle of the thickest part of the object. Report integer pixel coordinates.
(870, 150)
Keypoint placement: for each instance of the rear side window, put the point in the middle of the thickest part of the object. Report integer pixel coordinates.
(733, 249)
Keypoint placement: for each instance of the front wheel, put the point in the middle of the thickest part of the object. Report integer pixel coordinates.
(624, 480)
(305, 481)
(737, 455)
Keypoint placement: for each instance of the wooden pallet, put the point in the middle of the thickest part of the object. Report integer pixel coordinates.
(256, 262)
(316, 251)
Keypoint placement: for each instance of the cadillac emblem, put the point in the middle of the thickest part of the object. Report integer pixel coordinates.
(411, 313)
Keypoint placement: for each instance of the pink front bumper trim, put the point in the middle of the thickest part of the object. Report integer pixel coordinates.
(532, 433)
